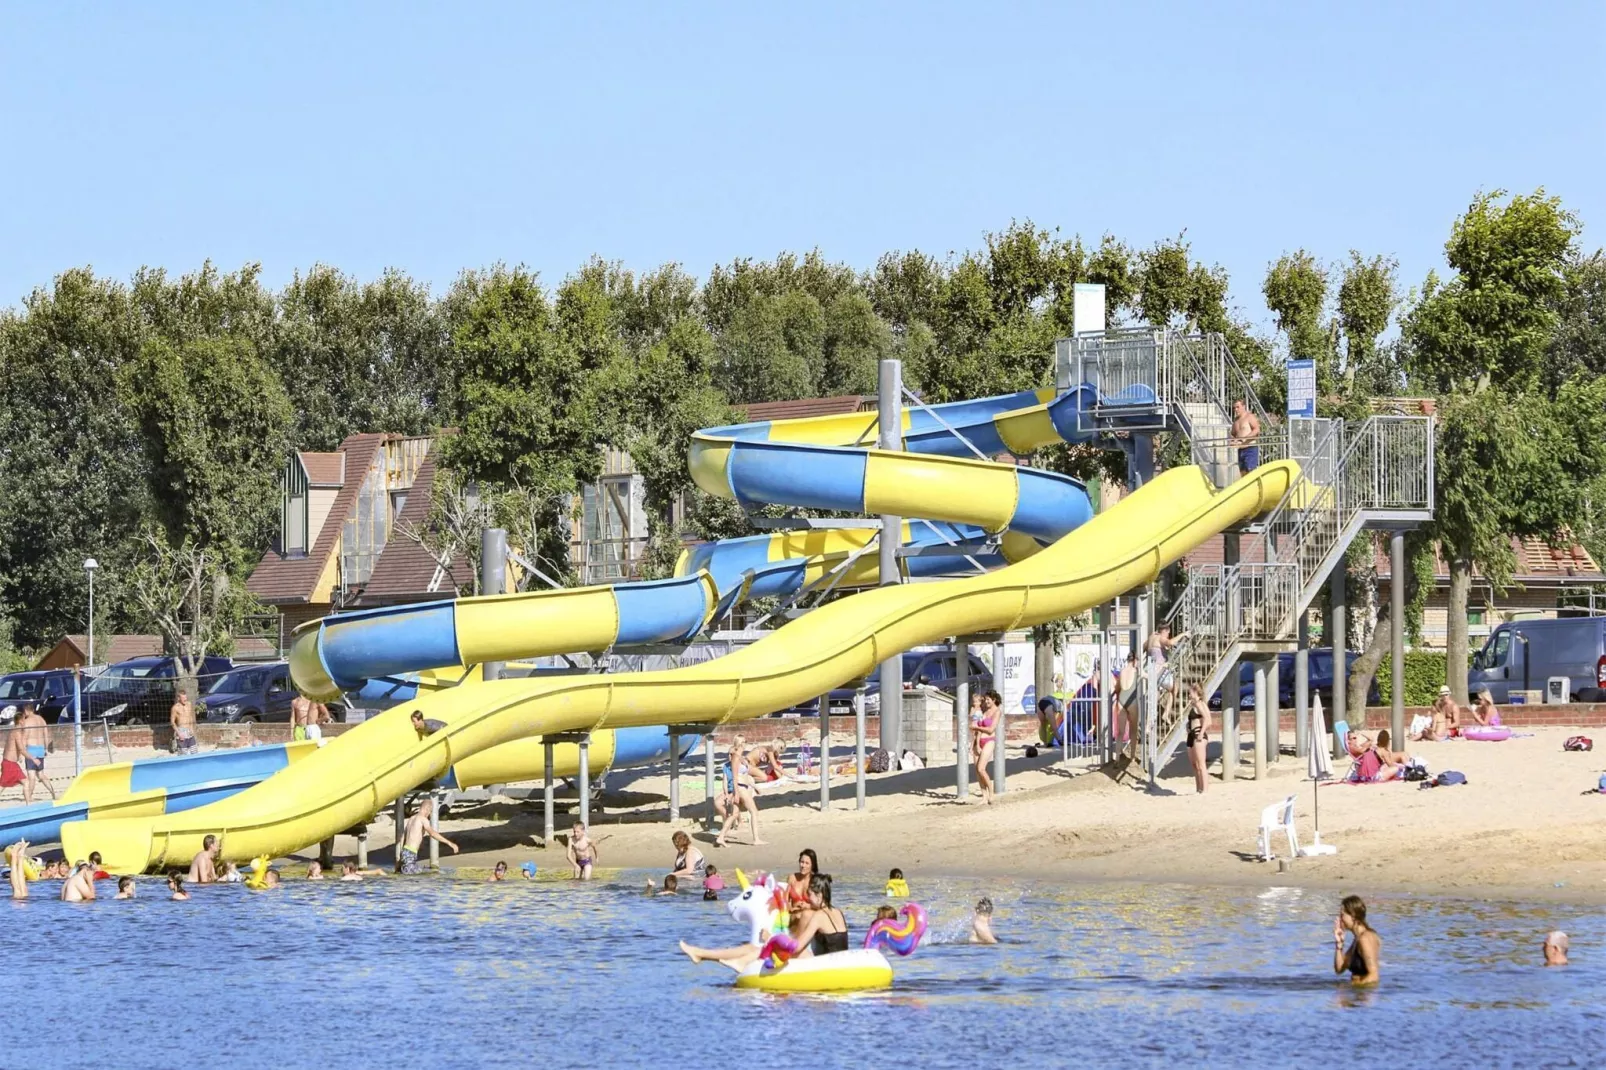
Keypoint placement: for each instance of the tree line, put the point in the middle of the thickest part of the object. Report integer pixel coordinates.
(145, 422)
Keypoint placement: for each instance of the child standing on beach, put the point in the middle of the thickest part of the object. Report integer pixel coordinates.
(582, 852)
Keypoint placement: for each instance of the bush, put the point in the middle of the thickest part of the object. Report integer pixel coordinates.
(1424, 675)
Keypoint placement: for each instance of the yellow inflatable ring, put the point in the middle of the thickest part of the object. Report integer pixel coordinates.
(840, 971)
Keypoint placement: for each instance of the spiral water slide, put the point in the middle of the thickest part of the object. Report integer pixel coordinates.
(812, 463)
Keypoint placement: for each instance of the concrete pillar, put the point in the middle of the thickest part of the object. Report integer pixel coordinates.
(1397, 636)
(890, 419)
(674, 776)
(710, 786)
(1231, 692)
(1105, 718)
(362, 849)
(547, 829)
(1302, 688)
(1003, 720)
(399, 812)
(825, 753)
(1260, 718)
(1336, 633)
(1274, 710)
(962, 718)
(585, 782)
(493, 580)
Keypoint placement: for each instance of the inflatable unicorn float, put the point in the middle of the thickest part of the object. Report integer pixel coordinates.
(779, 967)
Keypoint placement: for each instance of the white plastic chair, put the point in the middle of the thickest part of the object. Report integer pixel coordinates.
(1278, 817)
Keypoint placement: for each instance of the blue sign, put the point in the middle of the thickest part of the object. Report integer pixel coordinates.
(1302, 389)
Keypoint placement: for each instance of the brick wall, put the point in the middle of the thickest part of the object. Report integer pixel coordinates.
(1577, 714)
(161, 736)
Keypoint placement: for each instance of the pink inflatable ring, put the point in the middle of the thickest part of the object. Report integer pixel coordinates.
(1488, 734)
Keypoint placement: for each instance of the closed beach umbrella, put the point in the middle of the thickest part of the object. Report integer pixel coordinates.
(1320, 767)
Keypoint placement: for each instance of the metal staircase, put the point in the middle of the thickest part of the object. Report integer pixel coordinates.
(1378, 473)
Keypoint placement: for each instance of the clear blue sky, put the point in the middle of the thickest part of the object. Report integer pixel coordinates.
(436, 138)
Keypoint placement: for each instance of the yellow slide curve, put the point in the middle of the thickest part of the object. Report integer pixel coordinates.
(359, 772)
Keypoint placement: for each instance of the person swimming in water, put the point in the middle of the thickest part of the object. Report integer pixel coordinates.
(1556, 948)
(17, 856)
(1362, 957)
(175, 884)
(981, 924)
(125, 887)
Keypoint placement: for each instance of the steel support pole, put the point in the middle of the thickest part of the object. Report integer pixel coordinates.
(890, 418)
(1302, 689)
(585, 782)
(858, 749)
(493, 580)
(674, 777)
(1231, 689)
(362, 849)
(1397, 636)
(1105, 718)
(399, 812)
(999, 736)
(961, 718)
(1335, 632)
(825, 753)
(547, 829)
(78, 720)
(1260, 719)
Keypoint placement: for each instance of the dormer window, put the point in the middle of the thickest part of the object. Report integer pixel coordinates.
(293, 525)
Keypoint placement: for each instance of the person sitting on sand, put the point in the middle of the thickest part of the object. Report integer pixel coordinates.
(80, 887)
(981, 924)
(1363, 957)
(689, 861)
(825, 932)
(175, 884)
(125, 887)
(1369, 768)
(1555, 947)
(582, 852)
(766, 763)
(1484, 711)
(1392, 757)
(203, 867)
(1446, 715)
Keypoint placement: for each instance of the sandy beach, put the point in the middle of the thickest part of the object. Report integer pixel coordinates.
(1521, 827)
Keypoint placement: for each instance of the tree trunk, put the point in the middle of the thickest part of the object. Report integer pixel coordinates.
(1455, 654)
(1365, 669)
(1043, 668)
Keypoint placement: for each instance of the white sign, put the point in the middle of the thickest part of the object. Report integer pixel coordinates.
(1015, 684)
(1302, 389)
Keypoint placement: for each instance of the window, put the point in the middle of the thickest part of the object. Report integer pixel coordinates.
(1475, 616)
(366, 529)
(294, 523)
(1498, 649)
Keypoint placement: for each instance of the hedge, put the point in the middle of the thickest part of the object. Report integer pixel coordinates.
(1424, 675)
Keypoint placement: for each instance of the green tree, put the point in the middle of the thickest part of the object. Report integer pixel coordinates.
(1367, 297)
(1296, 292)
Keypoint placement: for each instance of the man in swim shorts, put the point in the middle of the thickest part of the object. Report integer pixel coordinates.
(1246, 436)
(421, 824)
(300, 716)
(182, 717)
(35, 738)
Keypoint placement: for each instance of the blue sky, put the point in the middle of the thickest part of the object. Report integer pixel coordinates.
(441, 137)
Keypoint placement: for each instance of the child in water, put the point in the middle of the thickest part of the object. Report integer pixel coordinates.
(712, 881)
(125, 887)
(897, 887)
(671, 886)
(582, 852)
(981, 926)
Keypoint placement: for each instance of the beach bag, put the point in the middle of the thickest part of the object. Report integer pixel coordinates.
(1447, 778)
(880, 761)
(1416, 771)
(1578, 743)
(910, 762)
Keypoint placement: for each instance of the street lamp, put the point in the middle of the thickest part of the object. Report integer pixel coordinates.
(90, 565)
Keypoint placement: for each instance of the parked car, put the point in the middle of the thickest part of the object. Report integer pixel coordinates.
(1524, 654)
(251, 693)
(1321, 681)
(141, 690)
(50, 690)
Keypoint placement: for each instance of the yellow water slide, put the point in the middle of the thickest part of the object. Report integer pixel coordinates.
(348, 781)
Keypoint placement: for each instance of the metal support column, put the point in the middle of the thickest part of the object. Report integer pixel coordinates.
(961, 719)
(999, 736)
(890, 418)
(547, 829)
(1302, 689)
(1274, 710)
(1231, 691)
(674, 776)
(1104, 720)
(1260, 719)
(1397, 636)
(362, 849)
(1335, 631)
(326, 852)
(825, 753)
(493, 580)
(709, 787)
(399, 811)
(585, 782)
(858, 748)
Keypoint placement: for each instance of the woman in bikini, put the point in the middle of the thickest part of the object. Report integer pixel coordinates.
(1198, 734)
(984, 726)
(740, 794)
(1362, 957)
(825, 932)
(797, 885)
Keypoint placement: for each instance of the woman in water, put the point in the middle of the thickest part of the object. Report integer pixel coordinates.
(797, 885)
(985, 726)
(689, 861)
(1362, 957)
(825, 932)
(1198, 735)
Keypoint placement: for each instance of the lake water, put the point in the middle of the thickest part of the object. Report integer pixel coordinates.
(437, 972)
